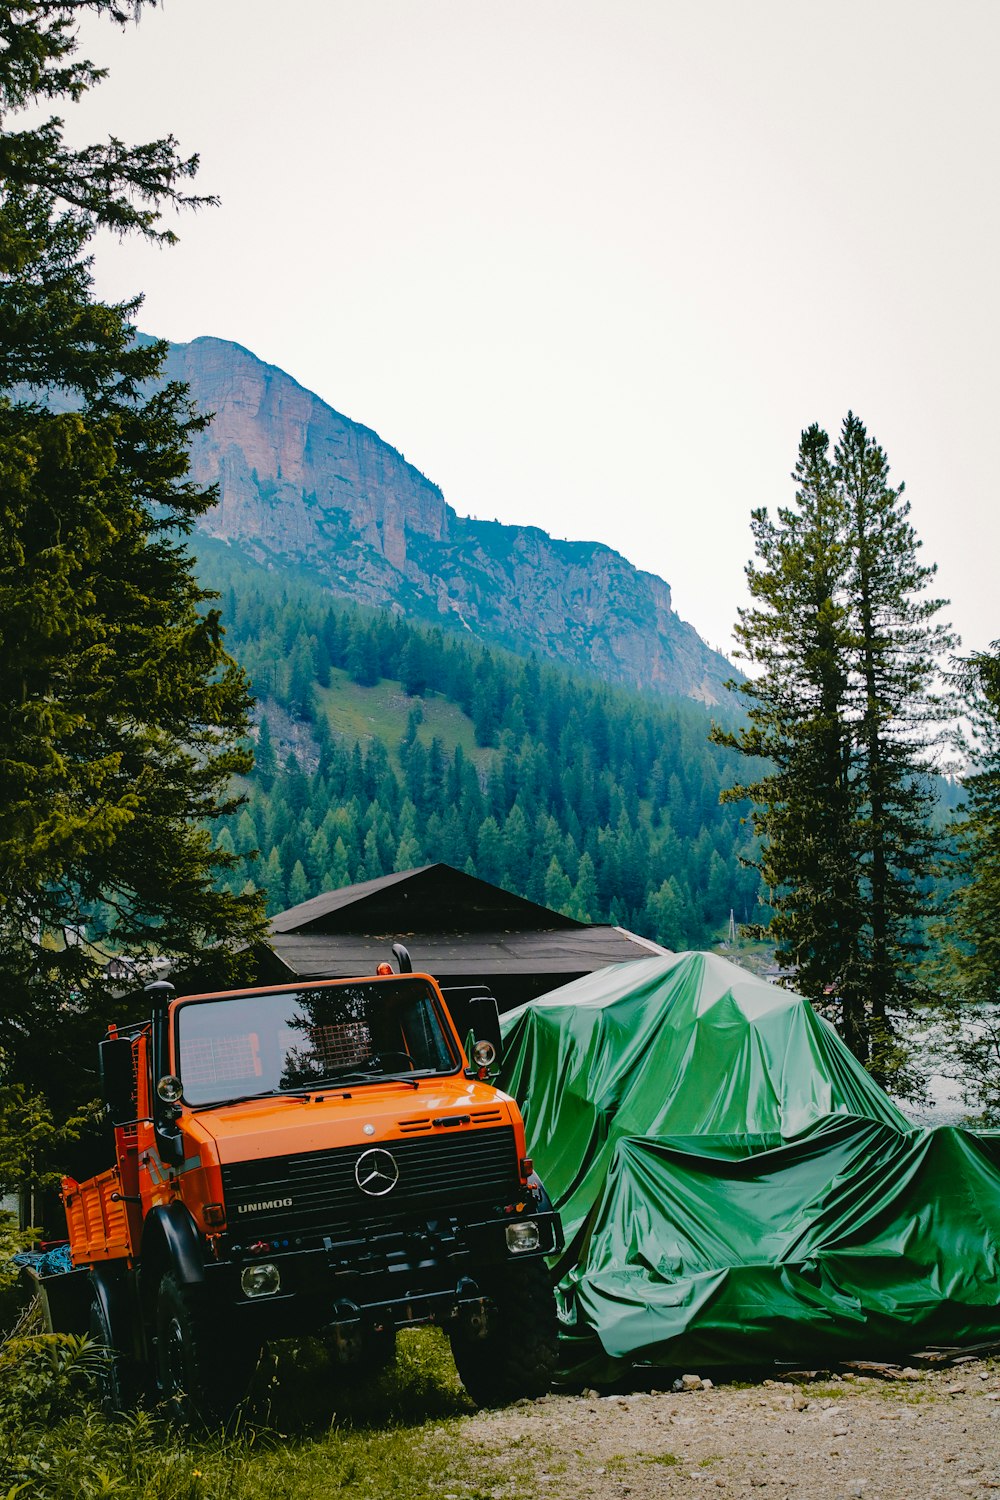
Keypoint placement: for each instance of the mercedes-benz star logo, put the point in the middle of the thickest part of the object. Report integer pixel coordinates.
(376, 1173)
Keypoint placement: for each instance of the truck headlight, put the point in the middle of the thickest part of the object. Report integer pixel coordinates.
(170, 1088)
(261, 1280)
(522, 1236)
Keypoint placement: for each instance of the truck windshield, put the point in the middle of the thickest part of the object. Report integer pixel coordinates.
(289, 1041)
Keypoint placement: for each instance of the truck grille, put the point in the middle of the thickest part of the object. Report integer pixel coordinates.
(318, 1192)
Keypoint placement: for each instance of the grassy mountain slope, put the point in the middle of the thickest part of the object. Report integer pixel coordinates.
(383, 745)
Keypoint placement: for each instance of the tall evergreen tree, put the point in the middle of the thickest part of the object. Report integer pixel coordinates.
(972, 932)
(842, 718)
(897, 648)
(796, 638)
(121, 715)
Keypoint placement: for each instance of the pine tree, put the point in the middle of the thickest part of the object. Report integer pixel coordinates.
(121, 716)
(665, 916)
(362, 655)
(299, 889)
(490, 851)
(841, 713)
(413, 668)
(896, 650)
(971, 936)
(796, 635)
(558, 891)
(318, 859)
(339, 872)
(584, 905)
(265, 759)
(274, 883)
(409, 855)
(516, 850)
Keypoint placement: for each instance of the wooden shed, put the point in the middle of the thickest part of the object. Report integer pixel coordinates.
(469, 934)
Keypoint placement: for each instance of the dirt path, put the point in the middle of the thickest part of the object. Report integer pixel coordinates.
(934, 1435)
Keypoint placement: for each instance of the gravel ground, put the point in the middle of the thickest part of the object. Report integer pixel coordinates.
(930, 1435)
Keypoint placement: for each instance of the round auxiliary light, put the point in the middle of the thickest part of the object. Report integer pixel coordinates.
(484, 1054)
(261, 1280)
(169, 1088)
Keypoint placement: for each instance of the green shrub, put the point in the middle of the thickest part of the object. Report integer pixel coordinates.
(44, 1377)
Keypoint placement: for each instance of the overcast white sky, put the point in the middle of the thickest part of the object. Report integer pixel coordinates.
(593, 266)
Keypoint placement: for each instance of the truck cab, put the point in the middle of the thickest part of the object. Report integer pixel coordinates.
(321, 1158)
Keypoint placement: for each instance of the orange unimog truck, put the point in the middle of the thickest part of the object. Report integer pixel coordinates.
(320, 1158)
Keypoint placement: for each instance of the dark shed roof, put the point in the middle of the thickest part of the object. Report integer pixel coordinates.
(462, 930)
(433, 898)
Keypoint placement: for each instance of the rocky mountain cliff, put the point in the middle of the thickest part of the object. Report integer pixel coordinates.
(300, 483)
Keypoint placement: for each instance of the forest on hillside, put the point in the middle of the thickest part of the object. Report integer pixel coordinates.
(383, 746)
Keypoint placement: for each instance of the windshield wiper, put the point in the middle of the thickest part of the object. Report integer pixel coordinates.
(409, 1077)
(333, 1080)
(359, 1075)
(245, 1098)
(330, 1080)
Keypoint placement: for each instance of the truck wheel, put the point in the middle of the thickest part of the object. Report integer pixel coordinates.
(119, 1386)
(203, 1371)
(517, 1356)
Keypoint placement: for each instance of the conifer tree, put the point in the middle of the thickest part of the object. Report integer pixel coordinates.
(299, 889)
(972, 933)
(842, 719)
(584, 905)
(796, 636)
(339, 872)
(557, 892)
(121, 715)
(490, 851)
(896, 716)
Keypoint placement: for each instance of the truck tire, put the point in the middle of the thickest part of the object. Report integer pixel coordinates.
(119, 1382)
(203, 1369)
(517, 1356)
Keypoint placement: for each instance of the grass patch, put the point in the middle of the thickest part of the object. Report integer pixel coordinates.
(907, 1393)
(301, 1387)
(382, 712)
(395, 1436)
(620, 1463)
(144, 1460)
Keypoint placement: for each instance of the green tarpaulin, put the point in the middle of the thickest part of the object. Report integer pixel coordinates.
(734, 1187)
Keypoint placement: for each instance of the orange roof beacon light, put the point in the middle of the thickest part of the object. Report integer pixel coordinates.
(319, 1158)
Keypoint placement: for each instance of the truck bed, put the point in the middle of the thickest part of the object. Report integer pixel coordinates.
(97, 1218)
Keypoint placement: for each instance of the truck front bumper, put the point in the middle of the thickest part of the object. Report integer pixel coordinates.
(393, 1276)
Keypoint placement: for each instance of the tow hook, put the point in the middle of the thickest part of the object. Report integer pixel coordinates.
(346, 1334)
(475, 1319)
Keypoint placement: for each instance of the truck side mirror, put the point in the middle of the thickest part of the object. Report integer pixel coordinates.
(117, 1071)
(484, 1023)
